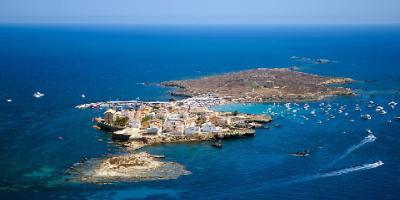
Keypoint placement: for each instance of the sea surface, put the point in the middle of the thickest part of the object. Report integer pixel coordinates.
(41, 137)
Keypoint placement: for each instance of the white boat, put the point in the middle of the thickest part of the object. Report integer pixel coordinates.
(379, 163)
(368, 131)
(367, 116)
(9, 100)
(382, 112)
(83, 96)
(371, 137)
(38, 95)
(392, 103)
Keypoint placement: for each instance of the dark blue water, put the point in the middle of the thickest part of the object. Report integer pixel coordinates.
(107, 63)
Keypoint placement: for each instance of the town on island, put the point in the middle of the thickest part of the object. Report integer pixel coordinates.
(136, 124)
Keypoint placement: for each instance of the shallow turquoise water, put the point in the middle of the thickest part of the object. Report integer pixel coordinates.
(107, 63)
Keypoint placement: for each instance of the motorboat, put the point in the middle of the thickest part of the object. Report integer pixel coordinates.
(368, 131)
(382, 112)
(392, 103)
(370, 137)
(304, 153)
(379, 108)
(217, 144)
(366, 117)
(38, 94)
(379, 163)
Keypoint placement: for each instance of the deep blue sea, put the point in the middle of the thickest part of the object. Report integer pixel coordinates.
(111, 62)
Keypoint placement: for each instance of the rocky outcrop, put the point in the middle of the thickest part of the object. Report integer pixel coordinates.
(133, 167)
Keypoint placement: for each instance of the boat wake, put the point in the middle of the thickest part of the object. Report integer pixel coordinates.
(351, 169)
(368, 139)
(306, 178)
(331, 173)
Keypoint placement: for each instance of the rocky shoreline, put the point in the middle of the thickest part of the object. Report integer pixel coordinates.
(132, 167)
(191, 113)
(139, 124)
(262, 85)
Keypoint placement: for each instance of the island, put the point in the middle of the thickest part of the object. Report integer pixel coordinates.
(133, 167)
(262, 85)
(136, 124)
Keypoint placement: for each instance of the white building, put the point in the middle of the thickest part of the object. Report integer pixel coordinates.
(209, 127)
(174, 126)
(135, 123)
(152, 115)
(192, 130)
(153, 130)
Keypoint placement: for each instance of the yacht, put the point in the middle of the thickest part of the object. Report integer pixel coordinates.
(38, 95)
(368, 131)
(371, 137)
(392, 103)
(367, 116)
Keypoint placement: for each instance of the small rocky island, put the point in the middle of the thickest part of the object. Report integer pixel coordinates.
(132, 167)
(136, 124)
(262, 85)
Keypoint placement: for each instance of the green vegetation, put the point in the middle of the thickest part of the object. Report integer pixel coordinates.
(121, 121)
(146, 119)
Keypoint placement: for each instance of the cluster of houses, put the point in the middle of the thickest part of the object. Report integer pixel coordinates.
(187, 117)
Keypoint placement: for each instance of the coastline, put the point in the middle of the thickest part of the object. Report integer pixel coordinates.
(191, 120)
(262, 85)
